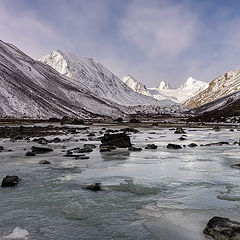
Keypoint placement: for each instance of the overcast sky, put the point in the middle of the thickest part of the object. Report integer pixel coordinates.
(152, 40)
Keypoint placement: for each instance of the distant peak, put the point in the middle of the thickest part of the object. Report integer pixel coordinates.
(163, 86)
(193, 83)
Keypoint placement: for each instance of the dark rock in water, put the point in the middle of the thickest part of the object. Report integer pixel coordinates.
(182, 138)
(152, 133)
(231, 130)
(216, 128)
(135, 149)
(44, 162)
(111, 131)
(173, 146)
(1, 148)
(89, 145)
(222, 229)
(121, 140)
(82, 157)
(151, 146)
(171, 129)
(17, 138)
(10, 150)
(70, 120)
(217, 144)
(85, 150)
(129, 130)
(92, 134)
(10, 181)
(237, 166)
(40, 150)
(119, 120)
(134, 120)
(192, 145)
(56, 140)
(94, 187)
(30, 154)
(40, 140)
(179, 130)
(106, 148)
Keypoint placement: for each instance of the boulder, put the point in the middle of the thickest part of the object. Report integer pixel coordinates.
(173, 146)
(182, 138)
(94, 187)
(10, 181)
(216, 128)
(120, 140)
(192, 145)
(56, 140)
(237, 166)
(89, 145)
(135, 149)
(222, 229)
(133, 130)
(179, 130)
(40, 150)
(151, 146)
(44, 162)
(30, 154)
(84, 150)
(82, 157)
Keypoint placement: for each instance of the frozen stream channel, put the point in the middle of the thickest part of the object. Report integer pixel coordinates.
(153, 194)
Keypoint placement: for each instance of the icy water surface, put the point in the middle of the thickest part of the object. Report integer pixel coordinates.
(153, 194)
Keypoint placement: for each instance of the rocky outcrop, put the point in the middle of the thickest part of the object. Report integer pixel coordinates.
(151, 146)
(173, 146)
(222, 229)
(179, 130)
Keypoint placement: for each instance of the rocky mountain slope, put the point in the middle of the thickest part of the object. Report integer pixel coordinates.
(224, 85)
(96, 77)
(29, 88)
(222, 107)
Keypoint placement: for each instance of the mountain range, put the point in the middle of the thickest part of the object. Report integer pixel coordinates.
(163, 91)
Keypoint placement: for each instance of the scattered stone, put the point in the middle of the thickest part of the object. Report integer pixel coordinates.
(119, 120)
(135, 149)
(173, 146)
(44, 162)
(182, 138)
(30, 154)
(89, 145)
(151, 146)
(56, 140)
(82, 157)
(222, 229)
(237, 166)
(10, 181)
(121, 140)
(94, 187)
(40, 150)
(10, 150)
(133, 130)
(70, 120)
(84, 150)
(217, 144)
(134, 120)
(106, 148)
(192, 145)
(152, 133)
(92, 134)
(231, 130)
(179, 130)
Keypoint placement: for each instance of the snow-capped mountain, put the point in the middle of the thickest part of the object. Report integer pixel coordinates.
(97, 78)
(163, 86)
(29, 88)
(135, 85)
(222, 86)
(188, 89)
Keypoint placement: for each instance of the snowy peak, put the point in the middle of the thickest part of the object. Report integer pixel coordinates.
(97, 78)
(163, 86)
(135, 85)
(193, 84)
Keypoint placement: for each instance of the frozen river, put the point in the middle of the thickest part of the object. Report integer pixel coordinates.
(153, 194)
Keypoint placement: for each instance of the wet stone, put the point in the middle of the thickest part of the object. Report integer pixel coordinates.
(44, 162)
(151, 146)
(10, 181)
(173, 146)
